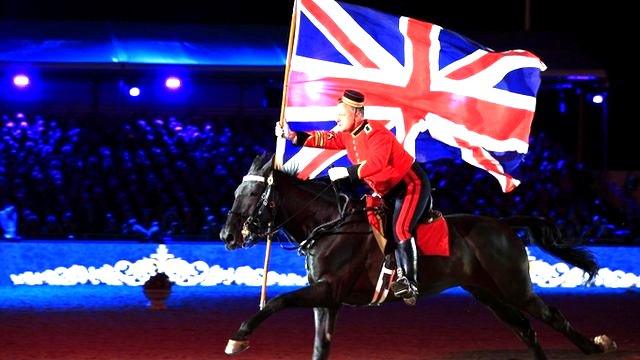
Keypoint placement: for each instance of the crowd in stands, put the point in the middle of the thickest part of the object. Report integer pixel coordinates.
(148, 178)
(161, 177)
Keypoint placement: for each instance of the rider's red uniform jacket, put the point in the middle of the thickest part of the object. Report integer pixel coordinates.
(379, 158)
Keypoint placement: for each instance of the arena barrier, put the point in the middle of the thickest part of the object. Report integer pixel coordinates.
(120, 263)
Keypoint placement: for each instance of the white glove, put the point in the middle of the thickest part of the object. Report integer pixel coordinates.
(337, 173)
(282, 131)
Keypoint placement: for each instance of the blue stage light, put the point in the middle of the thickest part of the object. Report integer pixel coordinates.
(134, 91)
(21, 80)
(173, 83)
(597, 99)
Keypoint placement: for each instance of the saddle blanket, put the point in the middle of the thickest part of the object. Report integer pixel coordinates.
(433, 237)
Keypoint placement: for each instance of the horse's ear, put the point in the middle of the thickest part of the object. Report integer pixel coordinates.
(260, 162)
(268, 162)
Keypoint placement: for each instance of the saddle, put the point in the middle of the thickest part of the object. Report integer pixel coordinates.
(432, 233)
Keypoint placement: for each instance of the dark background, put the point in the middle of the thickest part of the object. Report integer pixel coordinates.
(493, 15)
(597, 26)
(594, 33)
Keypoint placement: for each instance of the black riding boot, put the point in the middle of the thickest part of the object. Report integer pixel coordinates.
(406, 286)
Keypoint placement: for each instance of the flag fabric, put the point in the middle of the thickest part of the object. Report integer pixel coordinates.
(442, 94)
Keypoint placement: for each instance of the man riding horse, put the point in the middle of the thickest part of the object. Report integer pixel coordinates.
(386, 167)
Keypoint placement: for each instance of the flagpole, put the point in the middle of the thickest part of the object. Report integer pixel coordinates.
(267, 256)
(287, 65)
(280, 143)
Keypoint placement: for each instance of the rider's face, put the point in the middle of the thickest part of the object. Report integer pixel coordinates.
(347, 119)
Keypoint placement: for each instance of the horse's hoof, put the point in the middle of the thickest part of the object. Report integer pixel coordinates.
(236, 346)
(605, 343)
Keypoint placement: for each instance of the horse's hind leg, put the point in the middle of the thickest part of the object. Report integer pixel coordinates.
(534, 306)
(512, 317)
(325, 319)
(508, 266)
(315, 295)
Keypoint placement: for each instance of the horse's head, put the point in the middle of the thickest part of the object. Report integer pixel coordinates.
(252, 208)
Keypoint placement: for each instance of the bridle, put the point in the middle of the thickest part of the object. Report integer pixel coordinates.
(254, 225)
(257, 225)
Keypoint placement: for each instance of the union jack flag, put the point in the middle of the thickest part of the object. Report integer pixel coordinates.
(439, 92)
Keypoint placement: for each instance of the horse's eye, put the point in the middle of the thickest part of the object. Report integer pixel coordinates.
(254, 194)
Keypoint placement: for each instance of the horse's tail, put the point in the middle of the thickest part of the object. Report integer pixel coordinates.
(546, 234)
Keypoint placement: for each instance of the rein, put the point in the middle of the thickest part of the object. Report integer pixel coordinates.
(302, 209)
(332, 224)
(324, 228)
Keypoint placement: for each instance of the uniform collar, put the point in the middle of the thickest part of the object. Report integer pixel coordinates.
(357, 130)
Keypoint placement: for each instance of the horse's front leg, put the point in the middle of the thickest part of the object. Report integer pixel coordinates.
(315, 295)
(325, 323)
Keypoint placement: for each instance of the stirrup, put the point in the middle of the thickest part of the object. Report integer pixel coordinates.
(403, 288)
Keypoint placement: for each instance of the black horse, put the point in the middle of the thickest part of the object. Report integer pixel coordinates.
(343, 259)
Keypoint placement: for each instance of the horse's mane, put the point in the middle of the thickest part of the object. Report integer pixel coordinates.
(315, 186)
(264, 162)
